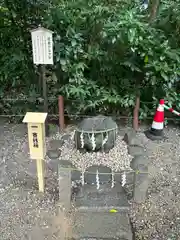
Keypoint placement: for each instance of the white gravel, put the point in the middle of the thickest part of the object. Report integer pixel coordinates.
(159, 217)
(24, 214)
(117, 158)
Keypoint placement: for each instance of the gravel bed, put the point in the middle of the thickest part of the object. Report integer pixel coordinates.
(25, 214)
(159, 217)
(117, 158)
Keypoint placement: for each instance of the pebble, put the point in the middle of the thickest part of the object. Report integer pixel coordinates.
(117, 159)
(161, 210)
(157, 218)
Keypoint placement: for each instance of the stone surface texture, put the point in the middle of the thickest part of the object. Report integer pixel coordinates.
(91, 225)
(101, 128)
(100, 193)
(117, 158)
(104, 174)
(24, 214)
(140, 166)
(105, 197)
(93, 217)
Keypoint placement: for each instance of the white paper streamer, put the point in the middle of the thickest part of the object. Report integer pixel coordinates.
(93, 140)
(123, 179)
(97, 179)
(112, 183)
(82, 140)
(82, 178)
(105, 140)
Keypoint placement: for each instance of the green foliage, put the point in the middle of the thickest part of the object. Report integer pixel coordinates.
(106, 53)
(16, 20)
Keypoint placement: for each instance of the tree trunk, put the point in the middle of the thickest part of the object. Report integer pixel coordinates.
(153, 13)
(153, 9)
(136, 113)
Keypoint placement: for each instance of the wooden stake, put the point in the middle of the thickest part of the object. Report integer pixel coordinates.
(136, 113)
(61, 112)
(45, 97)
(64, 177)
(154, 9)
(40, 173)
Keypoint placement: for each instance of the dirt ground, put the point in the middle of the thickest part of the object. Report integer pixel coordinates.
(26, 214)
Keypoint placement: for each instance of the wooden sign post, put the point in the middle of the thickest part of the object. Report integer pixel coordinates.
(37, 145)
(42, 47)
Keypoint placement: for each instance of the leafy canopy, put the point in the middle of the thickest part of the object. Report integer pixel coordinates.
(105, 52)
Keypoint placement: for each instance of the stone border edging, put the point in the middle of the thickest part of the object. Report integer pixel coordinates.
(139, 164)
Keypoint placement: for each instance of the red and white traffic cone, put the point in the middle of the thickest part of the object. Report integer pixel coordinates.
(156, 131)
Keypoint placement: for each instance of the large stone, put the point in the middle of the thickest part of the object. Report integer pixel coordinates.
(76, 175)
(133, 139)
(56, 144)
(66, 164)
(136, 150)
(141, 184)
(104, 174)
(64, 177)
(94, 218)
(101, 226)
(138, 161)
(103, 129)
(103, 199)
(130, 137)
(65, 137)
(140, 166)
(129, 177)
(53, 154)
(65, 182)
